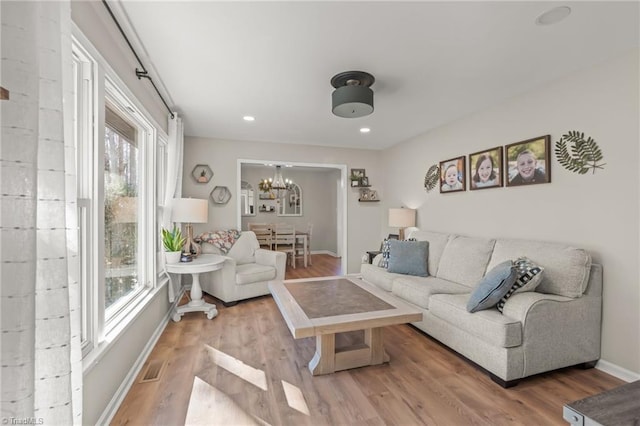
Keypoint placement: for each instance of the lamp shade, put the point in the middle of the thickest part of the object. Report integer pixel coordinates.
(190, 210)
(402, 218)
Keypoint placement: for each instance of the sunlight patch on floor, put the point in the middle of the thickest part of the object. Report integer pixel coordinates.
(210, 406)
(295, 398)
(235, 366)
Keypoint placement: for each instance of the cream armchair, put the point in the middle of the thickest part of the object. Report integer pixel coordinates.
(246, 272)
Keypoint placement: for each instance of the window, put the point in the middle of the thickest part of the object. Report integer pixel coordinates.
(121, 161)
(121, 206)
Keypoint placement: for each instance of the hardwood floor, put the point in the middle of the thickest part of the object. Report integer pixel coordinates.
(324, 265)
(244, 367)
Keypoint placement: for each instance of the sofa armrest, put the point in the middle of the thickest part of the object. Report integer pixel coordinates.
(519, 305)
(557, 331)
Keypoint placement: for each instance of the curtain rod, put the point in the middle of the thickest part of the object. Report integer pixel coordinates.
(139, 73)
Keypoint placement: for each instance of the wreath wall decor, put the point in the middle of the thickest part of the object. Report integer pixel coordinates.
(577, 154)
(432, 177)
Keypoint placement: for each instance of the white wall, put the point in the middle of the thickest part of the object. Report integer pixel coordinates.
(363, 219)
(598, 212)
(319, 201)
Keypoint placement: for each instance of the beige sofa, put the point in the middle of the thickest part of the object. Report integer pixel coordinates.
(246, 272)
(556, 326)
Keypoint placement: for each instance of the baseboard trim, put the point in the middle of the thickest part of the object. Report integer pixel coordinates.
(617, 371)
(112, 407)
(330, 253)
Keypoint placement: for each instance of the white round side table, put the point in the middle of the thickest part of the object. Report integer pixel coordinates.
(203, 263)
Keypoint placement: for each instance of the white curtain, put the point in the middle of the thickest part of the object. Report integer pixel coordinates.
(174, 178)
(41, 364)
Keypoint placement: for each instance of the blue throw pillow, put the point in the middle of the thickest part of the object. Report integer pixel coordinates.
(408, 257)
(495, 284)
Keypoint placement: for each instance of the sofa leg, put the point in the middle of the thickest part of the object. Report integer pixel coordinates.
(230, 304)
(504, 383)
(588, 365)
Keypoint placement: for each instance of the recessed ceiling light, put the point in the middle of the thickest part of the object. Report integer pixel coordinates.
(554, 15)
(248, 118)
(365, 130)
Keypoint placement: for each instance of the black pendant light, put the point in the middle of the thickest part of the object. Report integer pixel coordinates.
(353, 97)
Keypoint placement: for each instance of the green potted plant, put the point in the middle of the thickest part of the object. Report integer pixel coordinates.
(173, 242)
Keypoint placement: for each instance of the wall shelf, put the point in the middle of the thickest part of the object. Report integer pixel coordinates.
(367, 201)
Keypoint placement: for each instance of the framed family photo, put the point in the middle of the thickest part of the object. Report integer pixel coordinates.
(529, 162)
(485, 169)
(452, 175)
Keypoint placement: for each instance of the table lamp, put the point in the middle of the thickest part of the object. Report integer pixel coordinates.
(188, 211)
(402, 218)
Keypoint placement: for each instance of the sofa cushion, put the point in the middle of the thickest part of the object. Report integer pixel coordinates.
(437, 243)
(489, 325)
(418, 290)
(529, 276)
(408, 257)
(465, 260)
(378, 276)
(566, 269)
(249, 273)
(492, 287)
(243, 251)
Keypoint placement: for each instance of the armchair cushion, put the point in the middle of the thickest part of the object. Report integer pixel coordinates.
(253, 272)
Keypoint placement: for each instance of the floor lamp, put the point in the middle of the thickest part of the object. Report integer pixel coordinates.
(188, 211)
(402, 218)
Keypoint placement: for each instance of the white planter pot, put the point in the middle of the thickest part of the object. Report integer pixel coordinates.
(172, 256)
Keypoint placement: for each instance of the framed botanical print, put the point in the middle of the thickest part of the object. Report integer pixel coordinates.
(485, 169)
(529, 162)
(452, 175)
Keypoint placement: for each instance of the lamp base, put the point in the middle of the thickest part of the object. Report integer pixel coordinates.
(401, 234)
(190, 246)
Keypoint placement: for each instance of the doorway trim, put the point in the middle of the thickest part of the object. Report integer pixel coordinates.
(341, 212)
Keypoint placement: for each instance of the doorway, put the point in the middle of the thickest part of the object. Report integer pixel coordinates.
(320, 180)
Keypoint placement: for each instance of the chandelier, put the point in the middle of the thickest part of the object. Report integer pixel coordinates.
(277, 183)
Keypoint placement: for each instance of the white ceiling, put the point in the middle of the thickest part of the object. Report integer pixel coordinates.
(434, 62)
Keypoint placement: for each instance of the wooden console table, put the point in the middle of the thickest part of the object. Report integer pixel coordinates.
(615, 407)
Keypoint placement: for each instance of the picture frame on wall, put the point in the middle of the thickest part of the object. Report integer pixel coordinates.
(528, 162)
(453, 175)
(357, 174)
(485, 169)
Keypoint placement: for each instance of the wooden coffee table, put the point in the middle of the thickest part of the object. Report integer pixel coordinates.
(324, 307)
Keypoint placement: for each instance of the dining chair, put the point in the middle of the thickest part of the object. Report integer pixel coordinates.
(264, 234)
(285, 241)
(300, 245)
